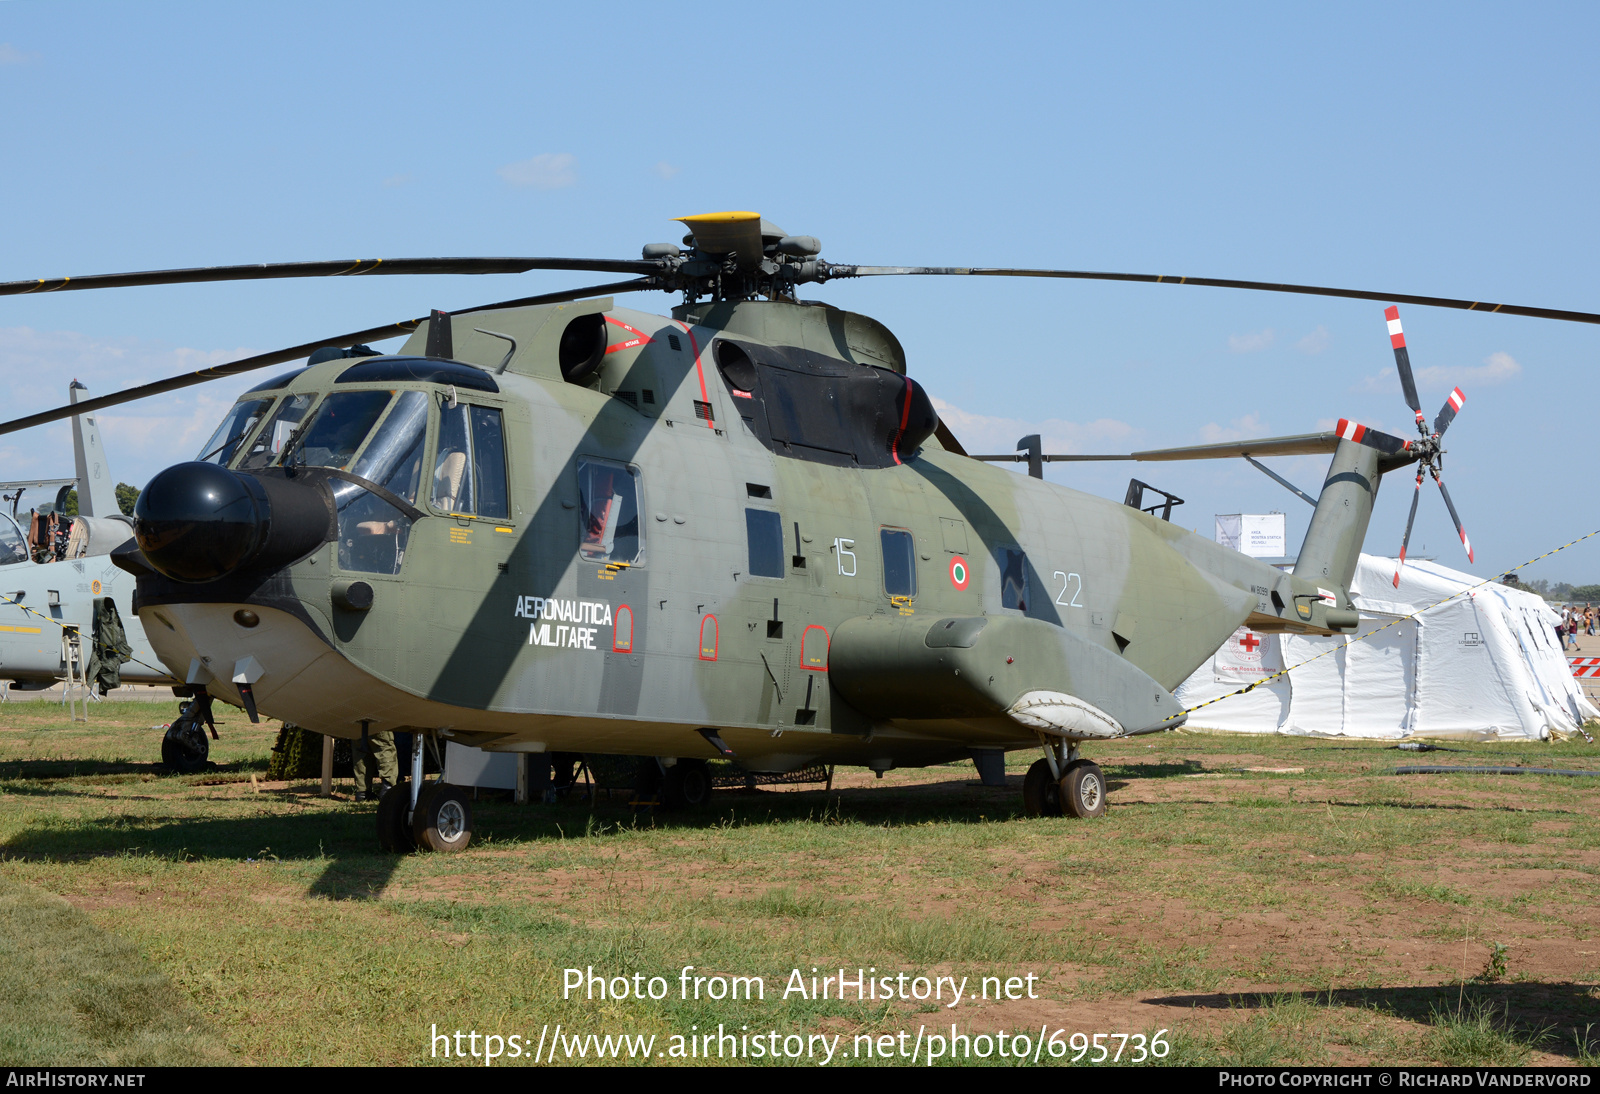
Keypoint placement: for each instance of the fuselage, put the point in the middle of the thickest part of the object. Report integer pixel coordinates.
(612, 566)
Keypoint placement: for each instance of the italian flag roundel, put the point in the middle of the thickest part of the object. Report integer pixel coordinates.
(959, 574)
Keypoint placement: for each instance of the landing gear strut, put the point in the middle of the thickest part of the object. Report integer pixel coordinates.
(185, 747)
(414, 816)
(1064, 783)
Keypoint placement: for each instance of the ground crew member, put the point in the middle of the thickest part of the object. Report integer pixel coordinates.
(375, 764)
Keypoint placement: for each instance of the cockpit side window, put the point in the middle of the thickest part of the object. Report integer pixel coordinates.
(276, 433)
(234, 429)
(372, 533)
(469, 474)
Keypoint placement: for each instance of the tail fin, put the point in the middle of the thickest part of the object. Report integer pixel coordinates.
(97, 494)
(1333, 542)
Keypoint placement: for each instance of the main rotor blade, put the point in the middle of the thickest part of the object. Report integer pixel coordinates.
(338, 268)
(1219, 283)
(1402, 363)
(1405, 540)
(1450, 505)
(1447, 414)
(278, 357)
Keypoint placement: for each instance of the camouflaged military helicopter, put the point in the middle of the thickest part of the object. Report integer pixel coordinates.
(561, 524)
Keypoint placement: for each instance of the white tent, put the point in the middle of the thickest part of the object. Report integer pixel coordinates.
(1485, 665)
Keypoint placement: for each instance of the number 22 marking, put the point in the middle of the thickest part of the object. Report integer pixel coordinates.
(1066, 582)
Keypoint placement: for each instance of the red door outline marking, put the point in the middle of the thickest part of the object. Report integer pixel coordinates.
(708, 653)
(821, 664)
(619, 644)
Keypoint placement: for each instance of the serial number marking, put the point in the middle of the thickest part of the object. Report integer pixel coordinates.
(842, 547)
(1073, 582)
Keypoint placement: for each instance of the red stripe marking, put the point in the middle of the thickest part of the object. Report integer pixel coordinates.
(1457, 399)
(1398, 341)
(640, 337)
(694, 344)
(905, 416)
(1391, 313)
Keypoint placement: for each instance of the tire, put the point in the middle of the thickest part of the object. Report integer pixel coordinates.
(186, 747)
(686, 785)
(443, 820)
(1040, 795)
(1083, 790)
(394, 835)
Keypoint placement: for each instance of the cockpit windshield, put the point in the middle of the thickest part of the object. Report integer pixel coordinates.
(337, 429)
(234, 429)
(394, 458)
(276, 433)
(13, 544)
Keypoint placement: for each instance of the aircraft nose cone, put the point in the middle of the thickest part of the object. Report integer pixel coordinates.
(197, 522)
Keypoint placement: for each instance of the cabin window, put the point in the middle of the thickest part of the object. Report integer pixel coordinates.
(1013, 579)
(469, 475)
(235, 428)
(899, 563)
(608, 504)
(277, 432)
(765, 531)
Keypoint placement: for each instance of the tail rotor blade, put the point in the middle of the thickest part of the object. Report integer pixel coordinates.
(1402, 362)
(1462, 532)
(1373, 438)
(1405, 542)
(1452, 406)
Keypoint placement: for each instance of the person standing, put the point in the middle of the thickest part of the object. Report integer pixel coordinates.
(376, 765)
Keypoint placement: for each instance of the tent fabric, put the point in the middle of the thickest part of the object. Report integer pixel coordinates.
(1483, 666)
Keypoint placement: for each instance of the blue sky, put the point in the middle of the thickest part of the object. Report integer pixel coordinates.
(1433, 149)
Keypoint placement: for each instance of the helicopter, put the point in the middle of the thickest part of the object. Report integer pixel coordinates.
(739, 530)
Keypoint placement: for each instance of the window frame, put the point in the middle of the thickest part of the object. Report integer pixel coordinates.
(783, 565)
(636, 473)
(425, 500)
(883, 561)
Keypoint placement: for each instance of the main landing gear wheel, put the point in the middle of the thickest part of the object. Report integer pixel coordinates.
(443, 820)
(394, 834)
(1083, 790)
(1041, 797)
(686, 785)
(185, 747)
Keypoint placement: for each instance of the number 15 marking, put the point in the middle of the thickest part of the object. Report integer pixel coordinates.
(1067, 582)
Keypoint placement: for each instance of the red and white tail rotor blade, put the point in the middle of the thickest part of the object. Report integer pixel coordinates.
(1462, 532)
(1402, 364)
(1452, 407)
(1372, 438)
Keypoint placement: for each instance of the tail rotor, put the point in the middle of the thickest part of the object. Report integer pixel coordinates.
(1427, 449)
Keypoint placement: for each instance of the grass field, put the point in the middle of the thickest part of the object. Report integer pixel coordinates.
(1338, 915)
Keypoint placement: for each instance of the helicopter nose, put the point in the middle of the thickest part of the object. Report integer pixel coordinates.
(197, 522)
